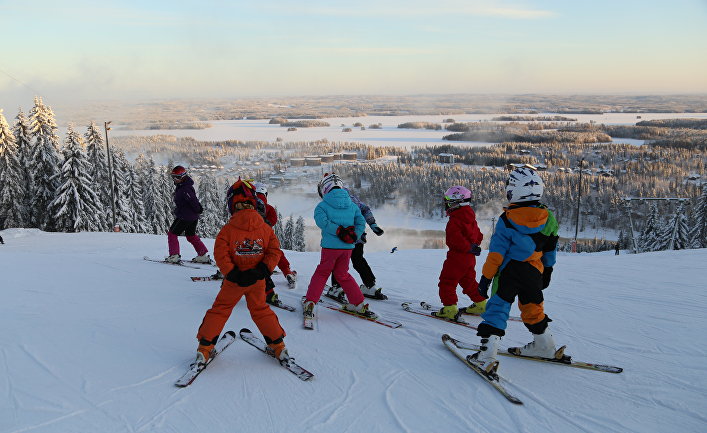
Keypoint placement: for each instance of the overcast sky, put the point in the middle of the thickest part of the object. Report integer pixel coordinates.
(67, 51)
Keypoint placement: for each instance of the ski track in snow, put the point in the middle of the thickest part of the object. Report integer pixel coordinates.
(101, 352)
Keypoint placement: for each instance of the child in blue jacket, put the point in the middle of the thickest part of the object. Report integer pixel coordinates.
(341, 223)
(520, 262)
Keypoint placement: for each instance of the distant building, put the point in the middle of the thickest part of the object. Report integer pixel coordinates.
(446, 158)
(350, 156)
(297, 162)
(313, 161)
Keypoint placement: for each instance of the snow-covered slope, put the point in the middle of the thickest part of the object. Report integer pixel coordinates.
(93, 338)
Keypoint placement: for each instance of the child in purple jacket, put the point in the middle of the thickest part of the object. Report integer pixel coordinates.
(187, 211)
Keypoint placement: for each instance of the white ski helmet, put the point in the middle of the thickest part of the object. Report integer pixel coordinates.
(328, 182)
(261, 188)
(524, 184)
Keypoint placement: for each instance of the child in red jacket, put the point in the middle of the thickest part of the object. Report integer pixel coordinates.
(463, 238)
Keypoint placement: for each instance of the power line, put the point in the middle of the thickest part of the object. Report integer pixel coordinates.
(35, 91)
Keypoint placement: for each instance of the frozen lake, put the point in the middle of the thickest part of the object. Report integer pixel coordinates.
(388, 135)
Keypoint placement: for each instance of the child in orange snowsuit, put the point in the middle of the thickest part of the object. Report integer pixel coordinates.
(246, 251)
(463, 238)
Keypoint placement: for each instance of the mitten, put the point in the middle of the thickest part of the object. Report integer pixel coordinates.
(484, 287)
(475, 250)
(377, 230)
(347, 234)
(233, 275)
(547, 273)
(262, 271)
(247, 278)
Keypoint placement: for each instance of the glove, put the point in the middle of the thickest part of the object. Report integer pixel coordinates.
(363, 237)
(347, 234)
(261, 271)
(484, 287)
(547, 273)
(475, 250)
(377, 230)
(233, 275)
(242, 278)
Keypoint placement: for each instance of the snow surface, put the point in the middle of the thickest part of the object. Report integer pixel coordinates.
(94, 338)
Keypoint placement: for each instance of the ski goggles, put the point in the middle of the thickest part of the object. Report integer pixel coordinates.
(179, 176)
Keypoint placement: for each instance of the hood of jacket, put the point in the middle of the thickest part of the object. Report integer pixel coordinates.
(527, 219)
(188, 181)
(337, 198)
(246, 220)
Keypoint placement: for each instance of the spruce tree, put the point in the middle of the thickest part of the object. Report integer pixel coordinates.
(135, 190)
(12, 184)
(279, 231)
(98, 169)
(288, 234)
(75, 207)
(211, 220)
(651, 230)
(44, 164)
(166, 192)
(23, 140)
(698, 231)
(298, 243)
(123, 206)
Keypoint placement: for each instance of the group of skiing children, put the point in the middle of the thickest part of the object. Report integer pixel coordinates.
(246, 251)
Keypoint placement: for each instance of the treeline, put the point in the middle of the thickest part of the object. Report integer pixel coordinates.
(533, 119)
(675, 123)
(420, 125)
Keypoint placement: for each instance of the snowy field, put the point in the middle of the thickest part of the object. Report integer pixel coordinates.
(389, 135)
(94, 338)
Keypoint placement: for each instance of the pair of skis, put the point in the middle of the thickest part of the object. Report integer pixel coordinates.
(192, 265)
(250, 338)
(309, 321)
(464, 351)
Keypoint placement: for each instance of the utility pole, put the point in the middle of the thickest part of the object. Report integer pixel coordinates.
(110, 173)
(579, 200)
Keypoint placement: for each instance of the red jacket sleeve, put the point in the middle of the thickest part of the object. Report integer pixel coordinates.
(476, 235)
(270, 215)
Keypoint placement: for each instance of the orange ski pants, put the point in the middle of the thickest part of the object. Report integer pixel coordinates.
(217, 316)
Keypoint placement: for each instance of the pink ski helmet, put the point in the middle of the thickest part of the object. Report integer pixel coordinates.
(456, 196)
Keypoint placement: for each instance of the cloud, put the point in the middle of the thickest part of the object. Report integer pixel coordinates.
(419, 8)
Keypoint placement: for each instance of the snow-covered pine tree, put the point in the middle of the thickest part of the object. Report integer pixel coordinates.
(224, 205)
(123, 206)
(12, 185)
(44, 163)
(298, 243)
(211, 221)
(135, 190)
(98, 169)
(651, 230)
(279, 230)
(698, 231)
(23, 141)
(151, 196)
(288, 234)
(166, 191)
(679, 230)
(75, 209)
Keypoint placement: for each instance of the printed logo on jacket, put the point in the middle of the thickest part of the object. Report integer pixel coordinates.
(249, 247)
